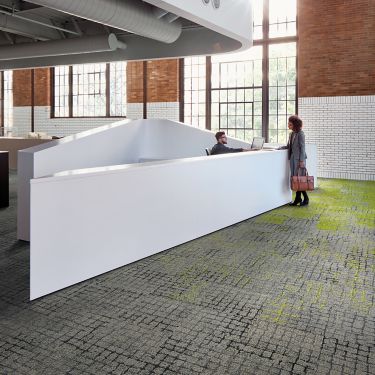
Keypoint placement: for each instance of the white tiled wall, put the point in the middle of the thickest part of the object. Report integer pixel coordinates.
(21, 121)
(52, 126)
(66, 126)
(166, 110)
(134, 111)
(343, 128)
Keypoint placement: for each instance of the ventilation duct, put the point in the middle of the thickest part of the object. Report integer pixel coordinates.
(130, 15)
(62, 47)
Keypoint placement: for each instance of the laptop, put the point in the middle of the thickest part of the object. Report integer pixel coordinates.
(257, 144)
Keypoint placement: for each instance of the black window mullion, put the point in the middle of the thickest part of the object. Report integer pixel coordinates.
(107, 90)
(208, 92)
(181, 67)
(265, 74)
(70, 91)
(2, 120)
(52, 92)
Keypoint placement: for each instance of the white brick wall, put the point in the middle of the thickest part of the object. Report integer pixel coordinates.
(66, 126)
(343, 128)
(134, 111)
(52, 126)
(166, 110)
(21, 121)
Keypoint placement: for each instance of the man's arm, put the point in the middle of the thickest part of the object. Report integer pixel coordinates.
(222, 149)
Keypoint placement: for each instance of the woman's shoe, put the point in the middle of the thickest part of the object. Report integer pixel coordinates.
(296, 201)
(304, 203)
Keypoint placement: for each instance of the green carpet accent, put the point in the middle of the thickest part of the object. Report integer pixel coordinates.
(288, 292)
(337, 205)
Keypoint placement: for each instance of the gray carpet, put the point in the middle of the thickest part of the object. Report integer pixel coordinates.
(287, 292)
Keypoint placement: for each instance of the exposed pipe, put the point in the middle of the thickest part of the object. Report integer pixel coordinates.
(16, 26)
(62, 47)
(159, 13)
(130, 15)
(37, 22)
(170, 17)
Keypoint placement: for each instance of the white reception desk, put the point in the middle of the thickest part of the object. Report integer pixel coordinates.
(89, 221)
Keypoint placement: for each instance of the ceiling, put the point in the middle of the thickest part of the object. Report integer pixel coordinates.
(51, 32)
(22, 21)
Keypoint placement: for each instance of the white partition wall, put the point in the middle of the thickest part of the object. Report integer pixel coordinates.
(107, 218)
(118, 210)
(122, 142)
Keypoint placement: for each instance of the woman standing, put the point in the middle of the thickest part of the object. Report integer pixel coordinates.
(297, 156)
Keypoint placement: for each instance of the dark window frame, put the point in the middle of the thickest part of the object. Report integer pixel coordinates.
(2, 120)
(265, 42)
(2, 101)
(107, 75)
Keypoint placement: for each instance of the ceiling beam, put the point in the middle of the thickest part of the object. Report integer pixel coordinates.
(20, 27)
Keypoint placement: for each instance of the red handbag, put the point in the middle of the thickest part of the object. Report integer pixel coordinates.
(302, 183)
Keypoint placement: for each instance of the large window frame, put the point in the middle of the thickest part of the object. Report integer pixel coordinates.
(78, 96)
(6, 102)
(265, 42)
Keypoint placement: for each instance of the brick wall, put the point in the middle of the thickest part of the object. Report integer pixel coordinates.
(162, 81)
(162, 98)
(336, 49)
(42, 84)
(336, 84)
(22, 88)
(134, 81)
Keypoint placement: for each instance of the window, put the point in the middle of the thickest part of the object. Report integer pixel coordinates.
(282, 89)
(195, 91)
(6, 102)
(252, 93)
(117, 89)
(61, 96)
(236, 96)
(257, 19)
(90, 90)
(282, 18)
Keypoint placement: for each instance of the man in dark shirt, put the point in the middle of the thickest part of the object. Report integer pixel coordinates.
(220, 147)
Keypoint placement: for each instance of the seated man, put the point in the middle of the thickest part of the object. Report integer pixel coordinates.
(220, 147)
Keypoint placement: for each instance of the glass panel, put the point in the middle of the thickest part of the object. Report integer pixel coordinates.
(248, 122)
(237, 71)
(291, 107)
(273, 136)
(282, 136)
(282, 14)
(272, 122)
(91, 92)
(8, 102)
(117, 89)
(61, 99)
(257, 19)
(195, 91)
(281, 107)
(272, 107)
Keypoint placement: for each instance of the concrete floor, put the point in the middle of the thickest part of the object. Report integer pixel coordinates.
(288, 292)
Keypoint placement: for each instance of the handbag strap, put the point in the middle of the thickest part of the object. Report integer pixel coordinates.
(299, 168)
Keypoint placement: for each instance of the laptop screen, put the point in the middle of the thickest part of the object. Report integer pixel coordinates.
(258, 143)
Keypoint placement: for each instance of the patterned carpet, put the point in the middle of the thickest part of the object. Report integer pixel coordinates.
(288, 292)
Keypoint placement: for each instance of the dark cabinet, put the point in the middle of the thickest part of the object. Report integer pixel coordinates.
(4, 179)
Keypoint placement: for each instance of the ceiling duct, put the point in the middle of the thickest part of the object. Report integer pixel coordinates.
(130, 15)
(62, 47)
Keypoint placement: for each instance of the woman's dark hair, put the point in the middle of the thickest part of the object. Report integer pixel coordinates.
(296, 122)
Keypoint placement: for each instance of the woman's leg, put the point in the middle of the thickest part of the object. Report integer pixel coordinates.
(305, 199)
(297, 199)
